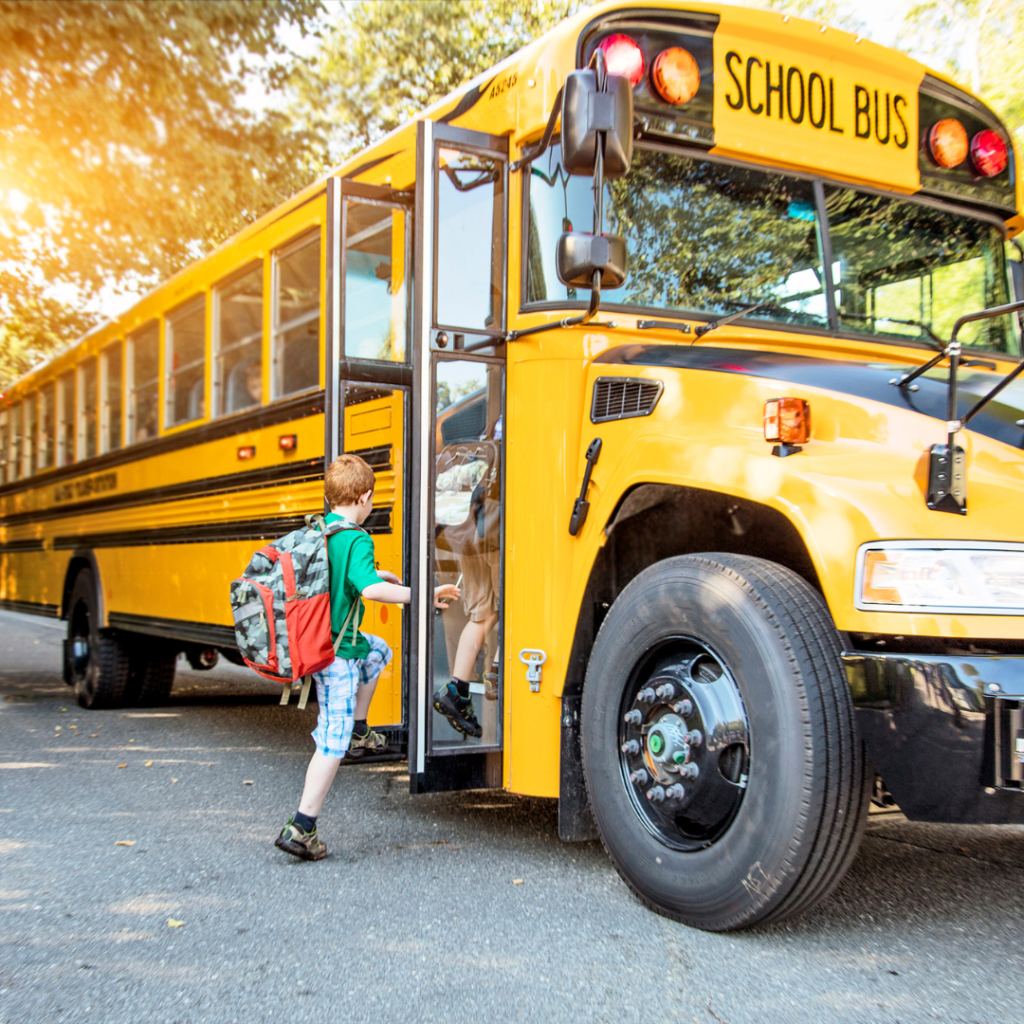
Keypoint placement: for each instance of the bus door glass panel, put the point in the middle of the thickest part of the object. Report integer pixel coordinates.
(111, 418)
(88, 427)
(238, 380)
(466, 669)
(374, 426)
(47, 424)
(185, 364)
(296, 316)
(376, 298)
(66, 419)
(143, 383)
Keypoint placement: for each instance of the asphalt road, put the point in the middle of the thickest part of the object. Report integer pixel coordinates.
(415, 915)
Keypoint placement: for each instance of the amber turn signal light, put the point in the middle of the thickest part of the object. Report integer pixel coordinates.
(288, 442)
(247, 451)
(675, 75)
(947, 142)
(787, 420)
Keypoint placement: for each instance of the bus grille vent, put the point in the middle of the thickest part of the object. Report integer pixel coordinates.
(620, 398)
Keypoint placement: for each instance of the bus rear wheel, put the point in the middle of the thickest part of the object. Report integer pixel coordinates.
(98, 661)
(152, 673)
(721, 756)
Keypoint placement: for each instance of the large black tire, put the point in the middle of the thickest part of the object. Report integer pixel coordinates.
(98, 661)
(775, 810)
(152, 675)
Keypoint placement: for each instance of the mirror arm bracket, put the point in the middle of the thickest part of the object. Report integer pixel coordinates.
(530, 153)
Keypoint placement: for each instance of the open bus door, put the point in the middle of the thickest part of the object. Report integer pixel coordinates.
(457, 483)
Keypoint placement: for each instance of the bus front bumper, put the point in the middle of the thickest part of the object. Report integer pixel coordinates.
(946, 733)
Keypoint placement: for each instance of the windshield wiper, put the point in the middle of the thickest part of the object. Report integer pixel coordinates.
(938, 342)
(722, 321)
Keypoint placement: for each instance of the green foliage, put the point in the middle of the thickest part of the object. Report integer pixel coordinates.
(383, 62)
(126, 149)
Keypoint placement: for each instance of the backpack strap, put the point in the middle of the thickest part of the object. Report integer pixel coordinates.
(355, 626)
(316, 521)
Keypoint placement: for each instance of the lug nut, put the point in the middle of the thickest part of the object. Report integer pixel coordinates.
(631, 747)
(675, 792)
(684, 708)
(694, 738)
(656, 794)
(681, 756)
(647, 696)
(666, 691)
(689, 771)
(634, 717)
(639, 777)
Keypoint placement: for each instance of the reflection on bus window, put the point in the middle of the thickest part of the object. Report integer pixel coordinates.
(185, 364)
(898, 261)
(470, 258)
(87, 409)
(239, 379)
(111, 418)
(5, 446)
(296, 337)
(143, 376)
(66, 419)
(467, 528)
(702, 237)
(47, 427)
(375, 294)
(30, 435)
(14, 444)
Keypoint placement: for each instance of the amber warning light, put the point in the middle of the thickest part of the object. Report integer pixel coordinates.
(675, 75)
(947, 142)
(288, 442)
(247, 451)
(787, 420)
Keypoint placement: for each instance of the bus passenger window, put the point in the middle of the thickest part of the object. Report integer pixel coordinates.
(14, 444)
(4, 446)
(143, 383)
(66, 419)
(111, 415)
(296, 338)
(375, 293)
(87, 425)
(30, 434)
(185, 364)
(239, 343)
(46, 427)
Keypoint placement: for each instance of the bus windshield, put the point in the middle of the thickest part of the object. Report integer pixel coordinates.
(709, 238)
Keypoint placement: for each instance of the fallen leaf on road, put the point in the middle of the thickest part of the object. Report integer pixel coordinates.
(72, 726)
(148, 764)
(131, 741)
(93, 735)
(122, 766)
(63, 709)
(517, 881)
(174, 780)
(171, 923)
(125, 842)
(247, 782)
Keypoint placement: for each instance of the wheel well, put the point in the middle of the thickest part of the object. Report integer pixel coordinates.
(657, 521)
(81, 560)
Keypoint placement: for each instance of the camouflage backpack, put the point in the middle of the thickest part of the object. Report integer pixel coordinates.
(281, 605)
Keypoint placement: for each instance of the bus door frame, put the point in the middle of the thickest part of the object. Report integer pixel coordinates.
(474, 769)
(340, 371)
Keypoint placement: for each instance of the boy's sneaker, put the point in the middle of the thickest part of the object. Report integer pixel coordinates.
(306, 845)
(360, 745)
(458, 710)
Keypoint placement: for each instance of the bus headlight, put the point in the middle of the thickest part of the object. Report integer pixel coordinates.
(928, 576)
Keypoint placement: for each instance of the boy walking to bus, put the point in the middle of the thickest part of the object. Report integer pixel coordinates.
(345, 688)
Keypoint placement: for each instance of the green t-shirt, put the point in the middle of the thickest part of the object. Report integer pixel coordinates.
(350, 554)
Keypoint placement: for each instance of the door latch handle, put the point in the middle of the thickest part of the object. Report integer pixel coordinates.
(582, 506)
(533, 658)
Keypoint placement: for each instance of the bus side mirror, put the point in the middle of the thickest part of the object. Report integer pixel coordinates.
(589, 112)
(579, 254)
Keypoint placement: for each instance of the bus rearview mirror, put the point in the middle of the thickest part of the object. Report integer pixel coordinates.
(588, 111)
(579, 254)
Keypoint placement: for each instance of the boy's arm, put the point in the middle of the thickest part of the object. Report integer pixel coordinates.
(391, 593)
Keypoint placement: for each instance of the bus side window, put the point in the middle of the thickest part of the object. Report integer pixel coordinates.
(295, 344)
(30, 444)
(47, 410)
(238, 342)
(66, 419)
(143, 383)
(88, 434)
(185, 364)
(14, 443)
(110, 410)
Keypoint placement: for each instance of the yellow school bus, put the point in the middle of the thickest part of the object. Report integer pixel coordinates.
(685, 340)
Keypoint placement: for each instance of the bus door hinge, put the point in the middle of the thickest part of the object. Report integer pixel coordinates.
(582, 506)
(533, 658)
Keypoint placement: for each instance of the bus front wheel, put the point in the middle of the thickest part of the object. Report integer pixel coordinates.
(98, 661)
(721, 756)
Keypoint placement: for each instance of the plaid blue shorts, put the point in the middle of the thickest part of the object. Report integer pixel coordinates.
(336, 688)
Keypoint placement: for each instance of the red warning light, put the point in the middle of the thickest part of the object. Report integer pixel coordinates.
(623, 57)
(988, 153)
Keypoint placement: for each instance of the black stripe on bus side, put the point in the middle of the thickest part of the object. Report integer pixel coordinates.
(311, 404)
(48, 611)
(21, 545)
(174, 629)
(378, 522)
